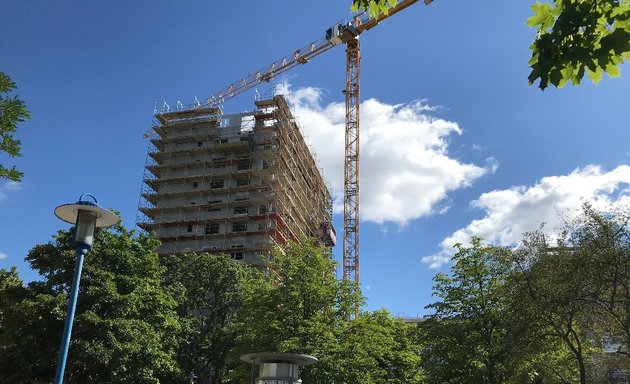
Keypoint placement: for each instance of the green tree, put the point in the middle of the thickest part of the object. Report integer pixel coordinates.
(575, 38)
(468, 338)
(28, 329)
(125, 324)
(12, 112)
(211, 291)
(304, 309)
(553, 290)
(376, 348)
(601, 241)
(300, 309)
(540, 359)
(587, 287)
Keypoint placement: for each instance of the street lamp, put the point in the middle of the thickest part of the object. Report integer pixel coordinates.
(278, 368)
(86, 216)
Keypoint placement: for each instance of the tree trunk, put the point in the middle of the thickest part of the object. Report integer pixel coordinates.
(580, 360)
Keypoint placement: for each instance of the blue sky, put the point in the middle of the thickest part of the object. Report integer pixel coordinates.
(454, 141)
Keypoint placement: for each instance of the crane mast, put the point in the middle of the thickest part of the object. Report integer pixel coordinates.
(351, 163)
(347, 34)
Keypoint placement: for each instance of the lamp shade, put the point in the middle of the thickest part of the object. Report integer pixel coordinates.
(69, 212)
(87, 216)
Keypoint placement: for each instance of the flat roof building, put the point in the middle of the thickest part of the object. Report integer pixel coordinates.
(235, 184)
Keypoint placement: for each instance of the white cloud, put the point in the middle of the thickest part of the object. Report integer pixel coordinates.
(406, 171)
(2, 255)
(511, 212)
(478, 148)
(7, 187)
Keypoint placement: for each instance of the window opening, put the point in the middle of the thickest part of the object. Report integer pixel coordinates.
(239, 226)
(212, 228)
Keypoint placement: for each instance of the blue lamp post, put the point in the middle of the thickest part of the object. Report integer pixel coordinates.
(86, 216)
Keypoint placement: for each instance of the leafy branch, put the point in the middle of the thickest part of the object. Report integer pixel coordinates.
(577, 38)
(12, 111)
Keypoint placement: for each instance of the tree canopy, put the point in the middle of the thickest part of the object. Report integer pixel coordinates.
(469, 334)
(125, 324)
(144, 319)
(305, 309)
(552, 310)
(211, 292)
(12, 111)
(577, 38)
(578, 287)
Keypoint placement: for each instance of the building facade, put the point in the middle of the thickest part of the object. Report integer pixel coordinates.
(235, 184)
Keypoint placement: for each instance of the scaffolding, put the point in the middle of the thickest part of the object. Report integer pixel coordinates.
(234, 184)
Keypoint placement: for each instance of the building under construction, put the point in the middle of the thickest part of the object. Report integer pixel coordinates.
(235, 184)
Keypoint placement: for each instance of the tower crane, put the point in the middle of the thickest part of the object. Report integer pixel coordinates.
(342, 33)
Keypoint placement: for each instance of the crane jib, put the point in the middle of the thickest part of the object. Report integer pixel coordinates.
(340, 33)
(335, 35)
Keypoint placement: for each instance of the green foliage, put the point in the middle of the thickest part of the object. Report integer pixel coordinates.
(576, 291)
(143, 321)
(468, 337)
(376, 348)
(548, 283)
(299, 309)
(373, 7)
(211, 291)
(12, 112)
(539, 313)
(125, 324)
(28, 328)
(602, 241)
(577, 38)
(304, 309)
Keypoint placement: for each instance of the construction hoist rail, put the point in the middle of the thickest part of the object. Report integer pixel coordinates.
(342, 33)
